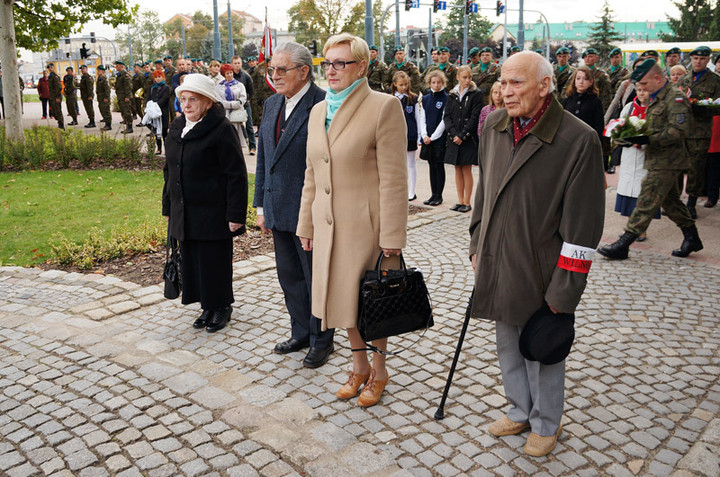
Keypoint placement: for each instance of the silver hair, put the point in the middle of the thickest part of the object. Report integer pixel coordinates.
(299, 55)
(544, 68)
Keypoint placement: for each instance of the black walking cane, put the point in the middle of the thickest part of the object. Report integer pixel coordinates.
(440, 413)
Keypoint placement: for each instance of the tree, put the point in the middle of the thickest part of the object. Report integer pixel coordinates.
(698, 21)
(38, 25)
(320, 19)
(478, 26)
(603, 34)
(146, 34)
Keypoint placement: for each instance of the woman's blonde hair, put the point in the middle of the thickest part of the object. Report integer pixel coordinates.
(435, 74)
(214, 63)
(496, 85)
(466, 69)
(358, 48)
(678, 68)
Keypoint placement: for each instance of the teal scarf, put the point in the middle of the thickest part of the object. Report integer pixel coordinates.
(335, 100)
(613, 69)
(442, 66)
(561, 68)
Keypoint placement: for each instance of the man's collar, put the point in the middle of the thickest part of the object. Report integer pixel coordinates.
(546, 127)
(294, 99)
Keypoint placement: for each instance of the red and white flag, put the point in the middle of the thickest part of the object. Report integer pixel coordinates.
(266, 51)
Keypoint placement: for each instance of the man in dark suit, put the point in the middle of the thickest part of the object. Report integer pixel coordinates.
(279, 181)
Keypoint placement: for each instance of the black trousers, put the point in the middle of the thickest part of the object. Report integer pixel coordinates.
(44, 102)
(437, 178)
(713, 176)
(294, 269)
(207, 273)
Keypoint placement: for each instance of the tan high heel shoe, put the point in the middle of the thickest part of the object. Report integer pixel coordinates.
(373, 390)
(350, 388)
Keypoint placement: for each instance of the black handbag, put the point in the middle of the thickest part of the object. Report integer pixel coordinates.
(172, 272)
(392, 302)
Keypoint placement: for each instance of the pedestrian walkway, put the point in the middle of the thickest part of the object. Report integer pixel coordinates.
(103, 377)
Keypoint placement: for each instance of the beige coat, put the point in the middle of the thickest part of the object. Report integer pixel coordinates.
(354, 199)
(530, 199)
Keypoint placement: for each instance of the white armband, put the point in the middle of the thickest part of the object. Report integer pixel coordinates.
(575, 258)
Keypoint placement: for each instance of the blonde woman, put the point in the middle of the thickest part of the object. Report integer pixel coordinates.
(496, 102)
(349, 216)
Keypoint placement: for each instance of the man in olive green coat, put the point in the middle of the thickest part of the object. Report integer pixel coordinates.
(70, 96)
(446, 67)
(102, 90)
(562, 71)
(616, 72)
(486, 73)
(704, 84)
(261, 90)
(123, 91)
(87, 94)
(668, 123)
(55, 85)
(602, 81)
(401, 65)
(377, 72)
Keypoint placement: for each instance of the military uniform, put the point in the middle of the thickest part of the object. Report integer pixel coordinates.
(123, 91)
(71, 98)
(55, 86)
(561, 78)
(138, 81)
(87, 94)
(377, 76)
(616, 77)
(602, 81)
(261, 92)
(411, 71)
(148, 84)
(485, 76)
(102, 91)
(450, 73)
(707, 85)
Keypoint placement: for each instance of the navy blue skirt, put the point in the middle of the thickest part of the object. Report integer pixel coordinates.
(625, 205)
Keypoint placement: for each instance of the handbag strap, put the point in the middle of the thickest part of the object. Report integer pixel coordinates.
(378, 267)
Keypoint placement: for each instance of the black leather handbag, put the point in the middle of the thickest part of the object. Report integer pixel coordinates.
(393, 302)
(172, 272)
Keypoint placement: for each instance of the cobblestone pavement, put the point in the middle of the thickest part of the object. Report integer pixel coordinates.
(102, 377)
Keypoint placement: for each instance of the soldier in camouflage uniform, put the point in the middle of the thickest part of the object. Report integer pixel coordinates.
(617, 72)
(445, 66)
(55, 86)
(703, 83)
(169, 69)
(147, 81)
(70, 96)
(261, 91)
(434, 60)
(87, 94)
(102, 91)
(562, 72)
(474, 55)
(138, 80)
(486, 73)
(672, 58)
(601, 78)
(377, 72)
(668, 123)
(401, 65)
(123, 91)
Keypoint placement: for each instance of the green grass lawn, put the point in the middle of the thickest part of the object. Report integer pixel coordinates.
(36, 205)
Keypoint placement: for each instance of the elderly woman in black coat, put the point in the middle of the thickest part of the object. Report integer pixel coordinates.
(205, 198)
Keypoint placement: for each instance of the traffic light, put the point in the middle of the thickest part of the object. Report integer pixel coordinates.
(314, 48)
(468, 7)
(92, 37)
(435, 5)
(84, 52)
(408, 5)
(499, 8)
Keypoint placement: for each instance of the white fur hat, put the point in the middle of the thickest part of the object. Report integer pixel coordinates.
(199, 84)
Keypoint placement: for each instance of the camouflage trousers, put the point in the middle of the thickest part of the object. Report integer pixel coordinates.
(71, 102)
(697, 151)
(56, 110)
(658, 189)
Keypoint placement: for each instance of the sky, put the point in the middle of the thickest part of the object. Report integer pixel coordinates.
(554, 10)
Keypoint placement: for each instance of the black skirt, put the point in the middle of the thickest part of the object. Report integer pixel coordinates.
(207, 273)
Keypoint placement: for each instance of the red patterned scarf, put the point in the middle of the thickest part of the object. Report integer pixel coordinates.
(522, 131)
(638, 109)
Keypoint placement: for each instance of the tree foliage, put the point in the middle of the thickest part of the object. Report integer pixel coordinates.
(478, 26)
(699, 21)
(320, 19)
(146, 34)
(39, 24)
(199, 37)
(603, 35)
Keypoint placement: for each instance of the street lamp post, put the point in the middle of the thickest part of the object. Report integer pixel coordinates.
(216, 31)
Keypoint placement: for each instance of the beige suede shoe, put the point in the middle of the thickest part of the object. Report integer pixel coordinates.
(506, 427)
(539, 446)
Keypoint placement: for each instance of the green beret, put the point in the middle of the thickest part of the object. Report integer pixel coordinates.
(168, 57)
(515, 49)
(398, 48)
(157, 62)
(539, 51)
(486, 49)
(101, 67)
(701, 51)
(673, 51)
(434, 48)
(652, 53)
(589, 51)
(51, 64)
(118, 62)
(642, 69)
(146, 63)
(374, 47)
(563, 50)
(252, 58)
(474, 51)
(615, 51)
(139, 65)
(83, 66)
(444, 49)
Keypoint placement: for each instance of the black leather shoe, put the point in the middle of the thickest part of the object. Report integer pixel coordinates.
(218, 319)
(202, 321)
(90, 125)
(290, 346)
(456, 207)
(128, 130)
(429, 201)
(316, 357)
(107, 128)
(412, 198)
(619, 249)
(611, 170)
(73, 123)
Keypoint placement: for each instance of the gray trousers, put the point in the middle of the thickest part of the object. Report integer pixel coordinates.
(536, 392)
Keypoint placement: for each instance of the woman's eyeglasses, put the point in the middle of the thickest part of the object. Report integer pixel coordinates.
(337, 65)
